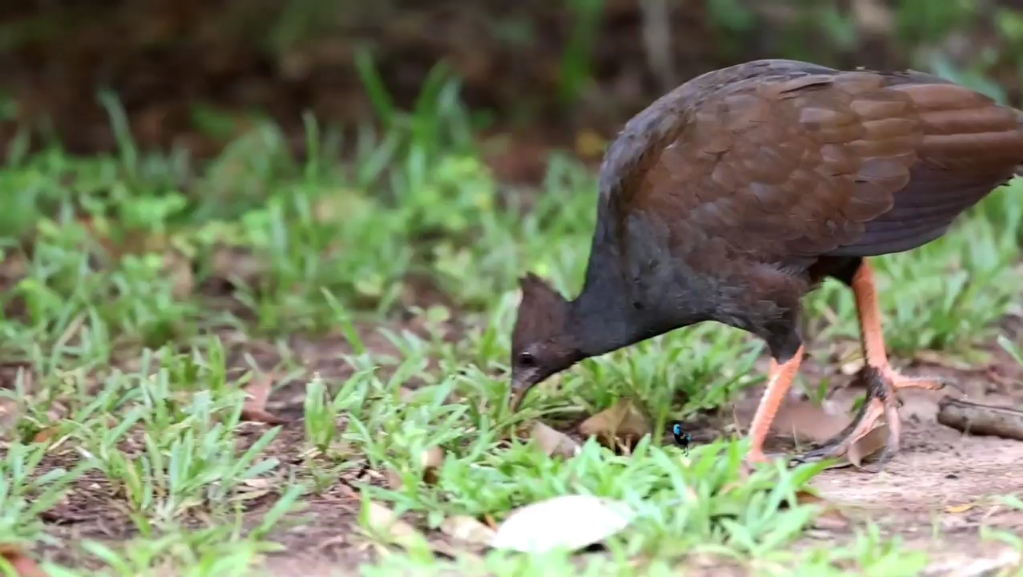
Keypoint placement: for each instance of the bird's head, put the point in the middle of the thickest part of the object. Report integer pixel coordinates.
(541, 341)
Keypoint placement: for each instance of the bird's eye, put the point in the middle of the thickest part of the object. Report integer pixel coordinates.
(527, 359)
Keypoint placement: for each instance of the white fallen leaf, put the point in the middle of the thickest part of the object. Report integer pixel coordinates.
(569, 521)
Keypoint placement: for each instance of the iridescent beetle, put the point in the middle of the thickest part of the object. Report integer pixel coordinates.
(682, 437)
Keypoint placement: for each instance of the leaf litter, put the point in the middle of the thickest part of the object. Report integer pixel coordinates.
(552, 442)
(619, 427)
(807, 421)
(468, 530)
(257, 393)
(867, 446)
(431, 460)
(386, 525)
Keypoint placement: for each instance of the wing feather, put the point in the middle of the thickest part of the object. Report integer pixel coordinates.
(787, 162)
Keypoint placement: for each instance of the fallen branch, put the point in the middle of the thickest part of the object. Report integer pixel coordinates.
(976, 419)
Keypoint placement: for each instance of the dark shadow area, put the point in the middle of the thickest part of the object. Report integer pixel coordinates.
(195, 73)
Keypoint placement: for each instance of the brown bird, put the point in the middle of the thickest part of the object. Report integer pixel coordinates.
(731, 197)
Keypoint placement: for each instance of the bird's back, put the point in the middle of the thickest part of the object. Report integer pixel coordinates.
(779, 158)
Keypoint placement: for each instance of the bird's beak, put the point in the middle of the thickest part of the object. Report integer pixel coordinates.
(516, 400)
(521, 383)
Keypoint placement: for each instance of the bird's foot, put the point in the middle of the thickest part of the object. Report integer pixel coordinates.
(752, 460)
(755, 459)
(883, 385)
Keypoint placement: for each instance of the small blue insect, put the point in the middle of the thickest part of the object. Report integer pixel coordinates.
(682, 437)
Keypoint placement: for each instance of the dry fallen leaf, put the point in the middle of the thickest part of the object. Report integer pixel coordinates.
(382, 521)
(24, 566)
(342, 204)
(830, 518)
(804, 497)
(569, 521)
(431, 459)
(553, 442)
(249, 495)
(467, 529)
(393, 479)
(622, 424)
(941, 360)
(852, 367)
(258, 391)
(260, 483)
(867, 446)
(24, 385)
(179, 269)
(45, 434)
(956, 509)
(9, 415)
(233, 264)
(13, 267)
(806, 421)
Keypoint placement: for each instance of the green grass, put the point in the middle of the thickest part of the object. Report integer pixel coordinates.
(126, 408)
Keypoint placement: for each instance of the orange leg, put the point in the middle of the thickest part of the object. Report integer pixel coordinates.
(779, 381)
(873, 337)
(883, 382)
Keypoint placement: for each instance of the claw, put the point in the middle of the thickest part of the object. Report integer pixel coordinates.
(946, 382)
(883, 383)
(749, 464)
(883, 400)
(900, 381)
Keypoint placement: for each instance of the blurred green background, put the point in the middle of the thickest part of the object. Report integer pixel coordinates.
(550, 73)
(333, 200)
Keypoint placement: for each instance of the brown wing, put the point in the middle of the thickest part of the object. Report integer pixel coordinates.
(808, 164)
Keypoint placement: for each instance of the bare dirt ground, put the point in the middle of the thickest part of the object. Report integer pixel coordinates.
(941, 489)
